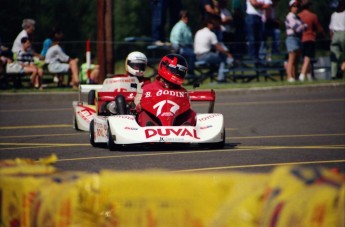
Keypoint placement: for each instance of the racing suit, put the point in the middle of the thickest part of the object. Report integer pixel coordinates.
(147, 119)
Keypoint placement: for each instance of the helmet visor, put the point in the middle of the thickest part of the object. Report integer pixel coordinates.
(177, 70)
(137, 66)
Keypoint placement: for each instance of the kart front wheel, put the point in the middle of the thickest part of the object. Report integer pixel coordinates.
(111, 144)
(92, 133)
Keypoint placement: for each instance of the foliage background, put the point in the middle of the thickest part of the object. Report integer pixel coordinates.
(78, 18)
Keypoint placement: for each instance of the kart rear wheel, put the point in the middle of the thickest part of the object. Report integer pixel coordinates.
(75, 123)
(91, 97)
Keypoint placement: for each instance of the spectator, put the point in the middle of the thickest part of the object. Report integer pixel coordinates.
(271, 29)
(6, 56)
(226, 19)
(93, 78)
(294, 29)
(205, 41)
(28, 26)
(210, 8)
(171, 72)
(59, 62)
(159, 14)
(25, 64)
(181, 38)
(337, 32)
(55, 32)
(308, 38)
(255, 25)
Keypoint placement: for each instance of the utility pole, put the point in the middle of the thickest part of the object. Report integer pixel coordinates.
(105, 57)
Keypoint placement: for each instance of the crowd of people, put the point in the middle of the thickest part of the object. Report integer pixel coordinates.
(211, 43)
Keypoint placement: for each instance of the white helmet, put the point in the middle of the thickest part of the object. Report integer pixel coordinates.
(136, 63)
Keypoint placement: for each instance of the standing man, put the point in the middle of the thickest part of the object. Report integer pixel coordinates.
(255, 25)
(158, 18)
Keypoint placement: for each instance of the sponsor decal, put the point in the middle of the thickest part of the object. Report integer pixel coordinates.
(165, 132)
(101, 130)
(206, 127)
(117, 80)
(170, 140)
(85, 114)
(159, 106)
(130, 128)
(128, 117)
(161, 92)
(208, 117)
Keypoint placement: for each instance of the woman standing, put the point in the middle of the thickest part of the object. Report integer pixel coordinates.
(294, 29)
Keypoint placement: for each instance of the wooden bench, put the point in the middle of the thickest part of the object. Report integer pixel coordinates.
(17, 80)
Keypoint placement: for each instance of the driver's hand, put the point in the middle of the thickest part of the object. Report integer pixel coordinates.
(139, 94)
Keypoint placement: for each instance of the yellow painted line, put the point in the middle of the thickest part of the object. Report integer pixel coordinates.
(231, 129)
(22, 148)
(35, 126)
(35, 110)
(259, 165)
(284, 136)
(279, 102)
(177, 153)
(46, 144)
(45, 135)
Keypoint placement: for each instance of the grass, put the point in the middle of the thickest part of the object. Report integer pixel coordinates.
(205, 85)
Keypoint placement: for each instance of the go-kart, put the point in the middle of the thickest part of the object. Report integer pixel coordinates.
(121, 130)
(84, 112)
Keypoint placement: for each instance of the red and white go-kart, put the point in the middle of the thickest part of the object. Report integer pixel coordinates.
(113, 122)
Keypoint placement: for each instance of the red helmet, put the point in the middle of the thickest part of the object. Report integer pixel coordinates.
(173, 68)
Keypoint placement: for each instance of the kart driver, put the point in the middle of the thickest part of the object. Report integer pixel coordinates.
(136, 63)
(171, 72)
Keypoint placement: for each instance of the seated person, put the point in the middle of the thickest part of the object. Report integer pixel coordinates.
(25, 64)
(205, 41)
(93, 78)
(59, 62)
(171, 72)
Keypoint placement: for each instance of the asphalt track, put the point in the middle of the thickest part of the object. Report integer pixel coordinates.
(265, 128)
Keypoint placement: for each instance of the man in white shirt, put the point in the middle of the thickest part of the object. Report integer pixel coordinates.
(205, 41)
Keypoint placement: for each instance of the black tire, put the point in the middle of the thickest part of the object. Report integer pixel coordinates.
(91, 97)
(111, 145)
(91, 133)
(220, 145)
(75, 123)
(121, 108)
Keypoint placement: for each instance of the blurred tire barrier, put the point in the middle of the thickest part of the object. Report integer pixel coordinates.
(34, 193)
